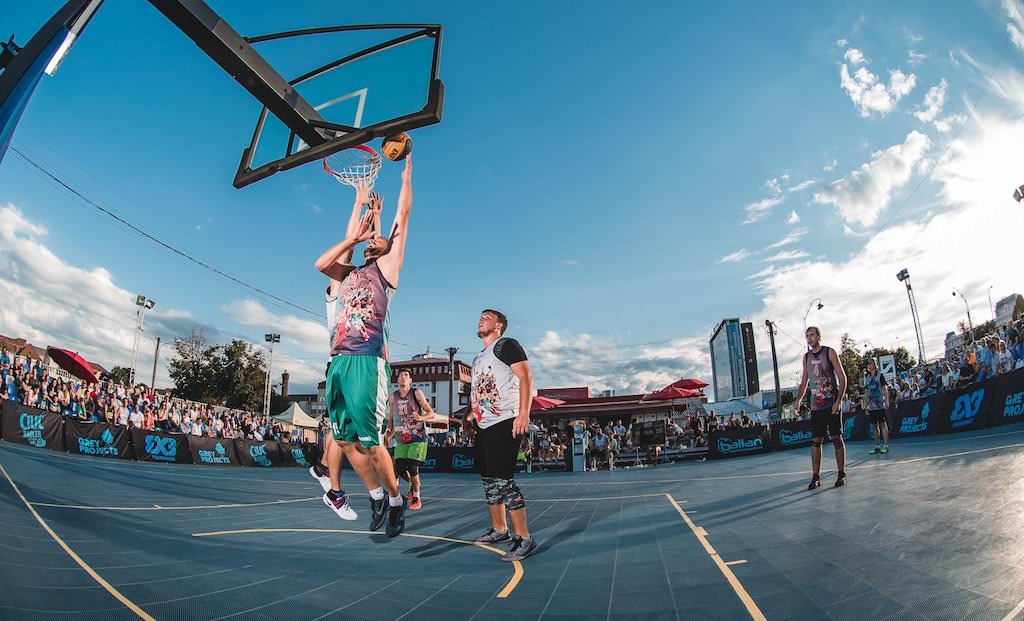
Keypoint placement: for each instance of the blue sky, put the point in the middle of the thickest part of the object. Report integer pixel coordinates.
(617, 182)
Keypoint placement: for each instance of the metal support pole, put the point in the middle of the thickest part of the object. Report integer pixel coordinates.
(451, 381)
(775, 370)
(156, 357)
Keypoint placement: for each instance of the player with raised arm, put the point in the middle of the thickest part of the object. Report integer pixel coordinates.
(358, 377)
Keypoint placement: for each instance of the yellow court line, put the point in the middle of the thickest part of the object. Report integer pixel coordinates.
(702, 536)
(186, 508)
(89, 570)
(517, 574)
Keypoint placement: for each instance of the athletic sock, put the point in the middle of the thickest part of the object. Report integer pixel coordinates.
(395, 501)
(377, 494)
(321, 470)
(415, 494)
(334, 494)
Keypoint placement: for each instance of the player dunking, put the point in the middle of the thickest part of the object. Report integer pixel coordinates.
(821, 370)
(358, 376)
(500, 395)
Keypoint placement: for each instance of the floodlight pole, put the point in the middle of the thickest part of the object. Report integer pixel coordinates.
(970, 324)
(904, 277)
(144, 304)
(808, 312)
(156, 357)
(270, 338)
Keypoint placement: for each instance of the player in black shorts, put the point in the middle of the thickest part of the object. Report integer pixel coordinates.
(823, 372)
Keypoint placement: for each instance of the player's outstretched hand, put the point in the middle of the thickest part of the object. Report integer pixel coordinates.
(365, 230)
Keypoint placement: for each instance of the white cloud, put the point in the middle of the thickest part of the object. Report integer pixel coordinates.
(308, 335)
(934, 100)
(1016, 23)
(761, 209)
(865, 193)
(854, 56)
(735, 257)
(803, 185)
(916, 58)
(787, 255)
(50, 302)
(570, 262)
(603, 364)
(831, 166)
(791, 238)
(947, 124)
(842, 42)
(867, 92)
(794, 217)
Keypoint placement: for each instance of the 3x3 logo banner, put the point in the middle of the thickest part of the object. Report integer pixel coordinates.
(97, 439)
(170, 448)
(27, 425)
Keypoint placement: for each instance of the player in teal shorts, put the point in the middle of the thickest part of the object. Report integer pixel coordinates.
(357, 380)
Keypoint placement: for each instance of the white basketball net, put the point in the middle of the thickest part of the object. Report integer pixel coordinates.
(356, 166)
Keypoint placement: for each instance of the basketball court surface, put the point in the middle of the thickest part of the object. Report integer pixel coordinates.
(929, 531)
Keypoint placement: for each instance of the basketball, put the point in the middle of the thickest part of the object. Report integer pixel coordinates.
(396, 147)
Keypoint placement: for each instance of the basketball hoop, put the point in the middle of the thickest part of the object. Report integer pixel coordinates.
(356, 166)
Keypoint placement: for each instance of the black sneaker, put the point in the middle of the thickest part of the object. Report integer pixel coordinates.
(521, 548)
(378, 511)
(841, 479)
(396, 519)
(493, 536)
(815, 482)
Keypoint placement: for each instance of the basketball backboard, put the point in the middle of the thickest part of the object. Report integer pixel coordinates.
(377, 90)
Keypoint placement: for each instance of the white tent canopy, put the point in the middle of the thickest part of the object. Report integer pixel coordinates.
(295, 416)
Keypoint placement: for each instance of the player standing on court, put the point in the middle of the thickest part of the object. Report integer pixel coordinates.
(409, 409)
(502, 384)
(875, 402)
(358, 376)
(821, 370)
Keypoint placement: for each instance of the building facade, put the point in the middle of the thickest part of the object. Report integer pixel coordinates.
(733, 360)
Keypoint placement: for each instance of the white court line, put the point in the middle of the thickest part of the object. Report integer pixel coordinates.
(295, 500)
(1012, 615)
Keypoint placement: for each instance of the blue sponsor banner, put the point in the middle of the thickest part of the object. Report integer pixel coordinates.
(27, 425)
(791, 434)
(965, 409)
(169, 448)
(737, 442)
(856, 426)
(258, 453)
(212, 451)
(97, 439)
(917, 417)
(1007, 405)
(297, 455)
(450, 459)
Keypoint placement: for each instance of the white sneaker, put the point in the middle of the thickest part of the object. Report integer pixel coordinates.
(324, 481)
(341, 507)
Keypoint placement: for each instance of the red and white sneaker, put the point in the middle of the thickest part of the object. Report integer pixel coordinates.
(414, 502)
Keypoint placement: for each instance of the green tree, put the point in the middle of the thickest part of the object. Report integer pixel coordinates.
(191, 368)
(240, 375)
(851, 359)
(118, 375)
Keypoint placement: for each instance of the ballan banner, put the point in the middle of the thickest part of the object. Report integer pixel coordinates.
(169, 448)
(28, 425)
(97, 439)
(738, 441)
(791, 434)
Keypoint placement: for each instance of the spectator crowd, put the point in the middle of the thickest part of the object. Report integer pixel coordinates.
(31, 383)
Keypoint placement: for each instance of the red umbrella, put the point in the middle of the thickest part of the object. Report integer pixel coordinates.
(671, 392)
(72, 363)
(689, 383)
(543, 403)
